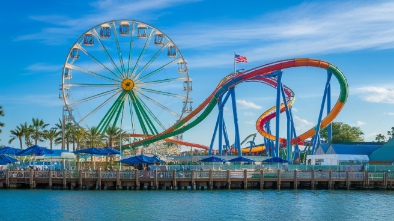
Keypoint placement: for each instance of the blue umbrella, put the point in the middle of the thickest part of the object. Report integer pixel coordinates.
(93, 151)
(110, 150)
(275, 160)
(213, 159)
(6, 160)
(141, 159)
(241, 159)
(34, 150)
(8, 150)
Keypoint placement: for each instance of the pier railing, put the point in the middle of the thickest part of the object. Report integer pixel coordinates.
(196, 174)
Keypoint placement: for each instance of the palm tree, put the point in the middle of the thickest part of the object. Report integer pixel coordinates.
(380, 138)
(39, 127)
(1, 114)
(27, 132)
(17, 134)
(79, 136)
(111, 133)
(94, 137)
(53, 136)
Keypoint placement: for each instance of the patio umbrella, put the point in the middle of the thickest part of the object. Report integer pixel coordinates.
(4, 160)
(213, 159)
(241, 159)
(275, 160)
(110, 150)
(139, 159)
(94, 151)
(8, 150)
(34, 151)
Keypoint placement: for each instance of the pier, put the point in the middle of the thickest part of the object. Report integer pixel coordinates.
(193, 179)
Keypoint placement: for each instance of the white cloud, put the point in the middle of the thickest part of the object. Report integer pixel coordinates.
(302, 124)
(389, 113)
(249, 114)
(42, 67)
(376, 94)
(298, 31)
(359, 123)
(242, 104)
(49, 100)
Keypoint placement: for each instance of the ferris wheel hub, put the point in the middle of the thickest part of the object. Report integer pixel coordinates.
(127, 84)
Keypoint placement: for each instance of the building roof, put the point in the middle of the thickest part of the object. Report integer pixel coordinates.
(355, 148)
(385, 153)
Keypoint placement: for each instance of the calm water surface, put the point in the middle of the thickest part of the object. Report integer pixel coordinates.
(196, 205)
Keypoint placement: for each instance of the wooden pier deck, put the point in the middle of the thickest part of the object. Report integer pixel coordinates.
(224, 179)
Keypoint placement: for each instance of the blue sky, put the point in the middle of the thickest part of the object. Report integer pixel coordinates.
(355, 36)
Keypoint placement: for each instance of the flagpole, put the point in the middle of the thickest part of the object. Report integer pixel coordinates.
(234, 62)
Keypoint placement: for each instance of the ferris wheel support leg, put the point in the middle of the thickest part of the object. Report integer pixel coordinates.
(317, 135)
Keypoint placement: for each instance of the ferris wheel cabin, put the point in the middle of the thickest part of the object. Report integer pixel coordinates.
(88, 40)
(171, 51)
(159, 38)
(124, 28)
(188, 107)
(105, 31)
(182, 69)
(74, 54)
(141, 30)
(187, 85)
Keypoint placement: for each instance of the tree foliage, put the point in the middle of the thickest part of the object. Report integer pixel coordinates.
(343, 133)
(380, 138)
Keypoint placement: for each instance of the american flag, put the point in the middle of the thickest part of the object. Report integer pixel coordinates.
(240, 58)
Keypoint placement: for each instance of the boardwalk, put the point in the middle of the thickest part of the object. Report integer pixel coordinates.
(225, 179)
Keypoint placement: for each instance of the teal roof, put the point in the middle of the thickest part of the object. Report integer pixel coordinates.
(385, 153)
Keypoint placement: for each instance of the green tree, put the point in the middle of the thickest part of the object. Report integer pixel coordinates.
(94, 137)
(2, 115)
(390, 133)
(79, 136)
(111, 133)
(38, 130)
(17, 134)
(52, 135)
(27, 130)
(380, 138)
(343, 133)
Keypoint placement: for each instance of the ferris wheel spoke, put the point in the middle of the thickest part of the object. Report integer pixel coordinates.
(106, 51)
(131, 115)
(162, 93)
(130, 49)
(142, 52)
(110, 113)
(90, 85)
(151, 60)
(159, 104)
(156, 71)
(97, 108)
(145, 110)
(119, 50)
(161, 81)
(94, 97)
(133, 98)
(99, 63)
(94, 74)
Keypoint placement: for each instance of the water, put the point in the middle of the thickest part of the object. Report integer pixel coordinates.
(196, 205)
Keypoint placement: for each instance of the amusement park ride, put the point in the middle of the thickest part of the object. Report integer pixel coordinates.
(130, 74)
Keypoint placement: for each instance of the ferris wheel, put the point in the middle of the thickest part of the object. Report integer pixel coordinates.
(128, 74)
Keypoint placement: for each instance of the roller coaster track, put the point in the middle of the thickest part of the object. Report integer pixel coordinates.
(262, 74)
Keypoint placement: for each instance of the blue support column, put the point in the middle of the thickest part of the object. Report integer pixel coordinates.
(329, 127)
(288, 139)
(237, 143)
(278, 90)
(315, 142)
